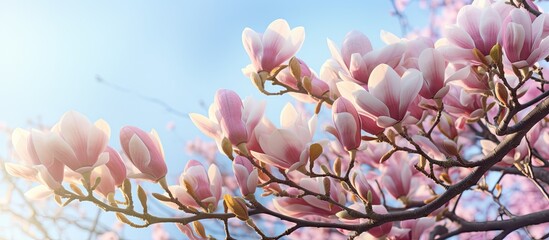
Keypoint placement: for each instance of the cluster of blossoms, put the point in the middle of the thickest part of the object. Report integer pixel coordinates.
(416, 125)
(76, 149)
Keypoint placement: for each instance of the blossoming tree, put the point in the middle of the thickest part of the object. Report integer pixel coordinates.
(427, 140)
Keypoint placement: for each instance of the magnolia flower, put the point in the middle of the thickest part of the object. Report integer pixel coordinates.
(478, 27)
(47, 177)
(197, 188)
(466, 107)
(416, 227)
(80, 144)
(524, 40)
(246, 175)
(308, 206)
(112, 174)
(414, 47)
(347, 124)
(287, 147)
(388, 96)
(357, 59)
(397, 176)
(362, 186)
(432, 65)
(224, 120)
(145, 152)
(106, 185)
(229, 108)
(274, 47)
(380, 231)
(317, 86)
(33, 148)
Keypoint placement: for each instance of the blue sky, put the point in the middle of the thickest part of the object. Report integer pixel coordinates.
(178, 51)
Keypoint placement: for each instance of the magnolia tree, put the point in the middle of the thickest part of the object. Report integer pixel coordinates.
(426, 140)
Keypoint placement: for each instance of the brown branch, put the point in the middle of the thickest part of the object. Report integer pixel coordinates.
(508, 225)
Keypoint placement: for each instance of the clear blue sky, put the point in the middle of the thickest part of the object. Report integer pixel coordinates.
(178, 51)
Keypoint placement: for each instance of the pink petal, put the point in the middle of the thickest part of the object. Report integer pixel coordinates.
(63, 152)
(22, 171)
(283, 144)
(348, 130)
(390, 55)
(513, 41)
(96, 144)
(370, 104)
(459, 37)
(138, 152)
(384, 84)
(216, 181)
(409, 88)
(20, 142)
(336, 55)
(74, 128)
(288, 116)
(38, 193)
(274, 39)
(205, 125)
(432, 66)
(490, 26)
(253, 180)
(253, 46)
(292, 45)
(355, 42)
(358, 69)
(468, 19)
(271, 160)
(385, 122)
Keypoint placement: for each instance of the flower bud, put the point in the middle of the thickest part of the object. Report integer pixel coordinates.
(237, 206)
(145, 151)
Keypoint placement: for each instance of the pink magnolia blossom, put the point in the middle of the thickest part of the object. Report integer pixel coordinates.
(414, 47)
(378, 232)
(432, 65)
(230, 108)
(274, 47)
(384, 229)
(246, 175)
(389, 96)
(318, 86)
(81, 145)
(357, 59)
(251, 116)
(287, 147)
(416, 227)
(465, 106)
(310, 206)
(469, 79)
(397, 176)
(33, 148)
(116, 167)
(525, 40)
(107, 183)
(39, 173)
(347, 124)
(478, 26)
(145, 152)
(362, 186)
(198, 188)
